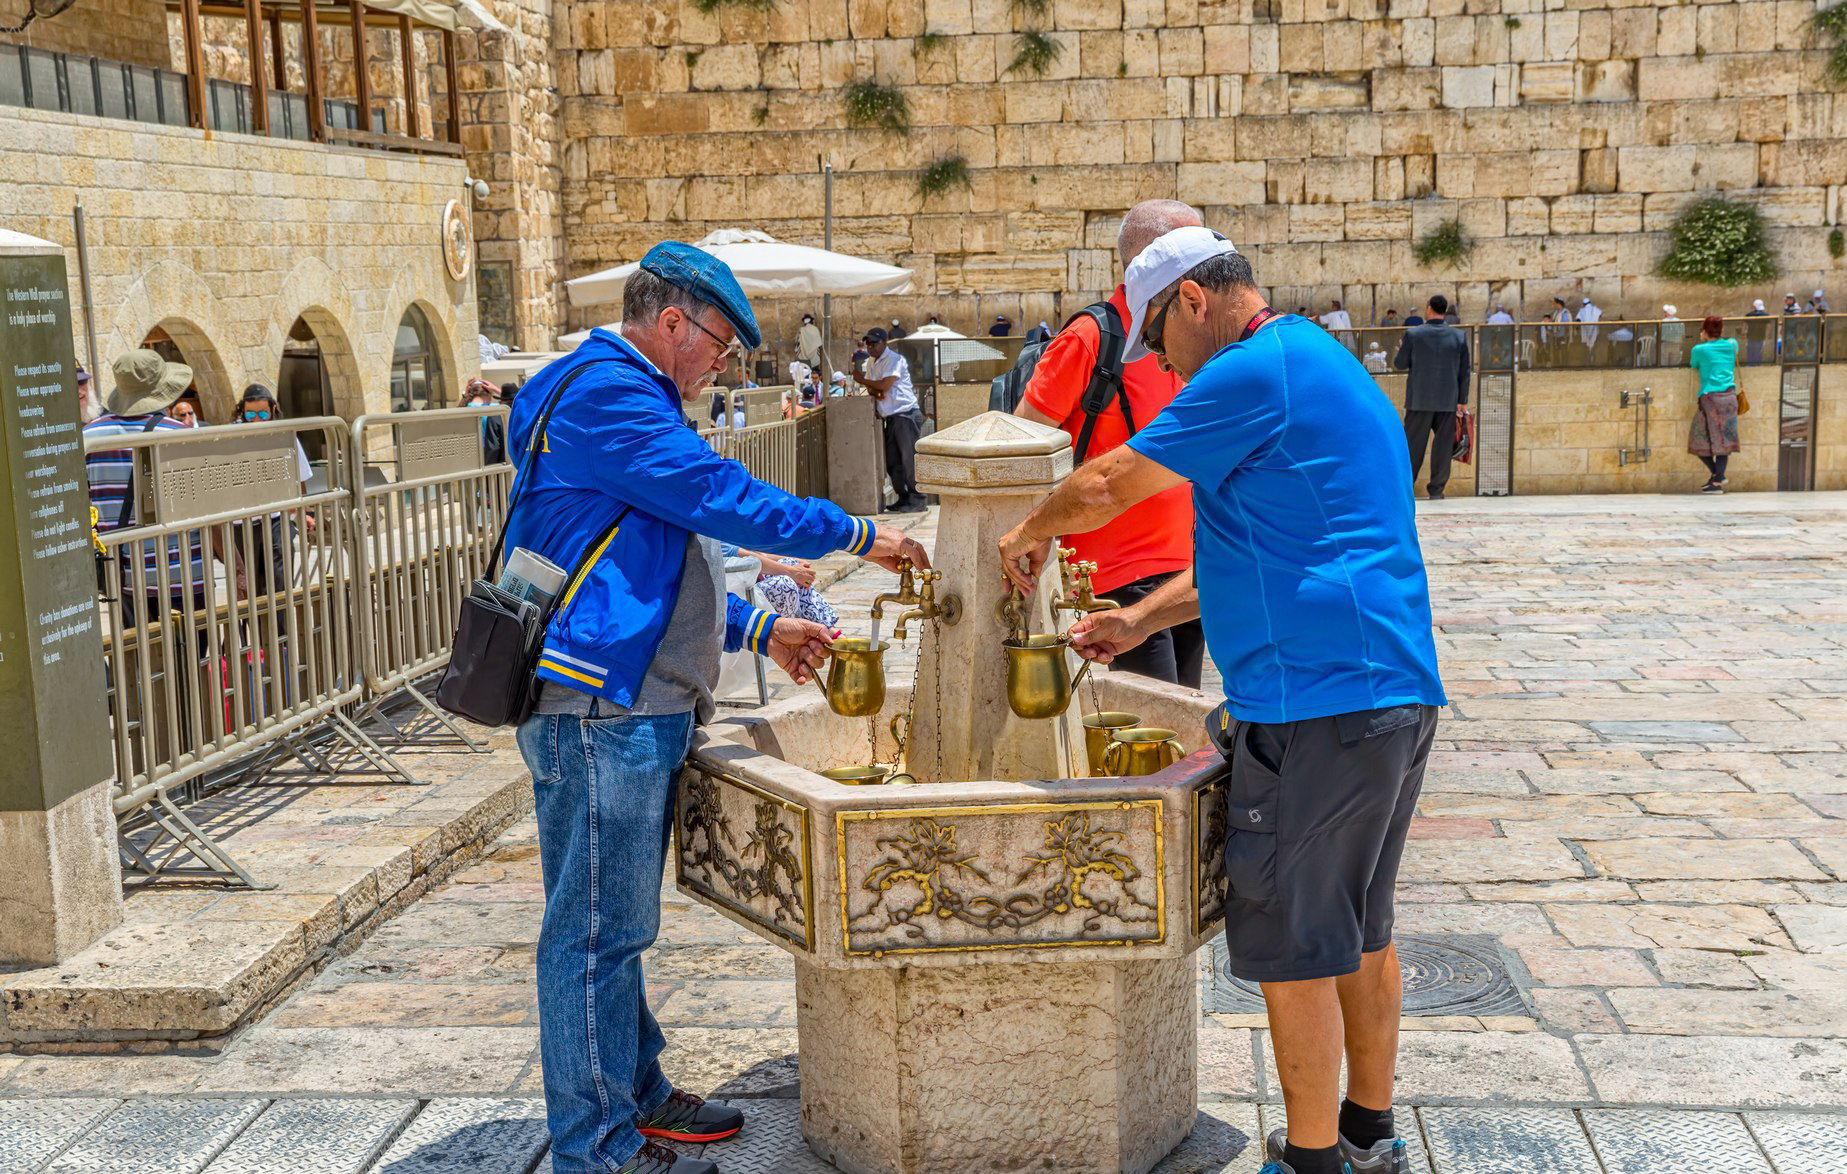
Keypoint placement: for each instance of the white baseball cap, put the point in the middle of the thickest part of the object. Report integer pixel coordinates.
(1171, 256)
(1670, 310)
(1817, 293)
(1758, 304)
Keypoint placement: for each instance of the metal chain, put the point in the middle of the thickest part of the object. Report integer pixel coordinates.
(936, 747)
(872, 739)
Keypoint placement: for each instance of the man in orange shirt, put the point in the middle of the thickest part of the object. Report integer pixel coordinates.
(1150, 543)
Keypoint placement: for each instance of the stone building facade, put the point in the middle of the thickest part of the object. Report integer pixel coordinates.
(228, 245)
(1327, 135)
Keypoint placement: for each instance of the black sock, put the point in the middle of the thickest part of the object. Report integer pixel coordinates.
(1327, 1161)
(1365, 1127)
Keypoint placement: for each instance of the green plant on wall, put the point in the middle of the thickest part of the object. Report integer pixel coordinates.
(1033, 53)
(1837, 244)
(709, 6)
(1031, 8)
(1717, 242)
(1833, 23)
(928, 43)
(1447, 244)
(946, 173)
(870, 104)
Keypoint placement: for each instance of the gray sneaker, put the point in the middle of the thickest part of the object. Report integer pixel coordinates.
(1390, 1156)
(1274, 1147)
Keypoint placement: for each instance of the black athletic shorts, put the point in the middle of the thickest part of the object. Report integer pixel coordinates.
(1318, 813)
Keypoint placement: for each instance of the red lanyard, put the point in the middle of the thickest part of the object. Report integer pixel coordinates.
(1257, 322)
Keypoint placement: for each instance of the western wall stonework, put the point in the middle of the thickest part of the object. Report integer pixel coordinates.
(1326, 135)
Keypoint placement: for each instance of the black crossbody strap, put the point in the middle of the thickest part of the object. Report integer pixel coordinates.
(525, 467)
(1105, 377)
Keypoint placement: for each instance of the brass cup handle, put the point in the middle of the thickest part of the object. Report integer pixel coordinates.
(1081, 672)
(1110, 755)
(1179, 750)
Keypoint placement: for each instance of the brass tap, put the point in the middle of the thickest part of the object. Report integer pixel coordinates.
(1064, 568)
(1083, 598)
(905, 595)
(949, 610)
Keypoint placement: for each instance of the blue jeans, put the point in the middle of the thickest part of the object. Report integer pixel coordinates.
(604, 788)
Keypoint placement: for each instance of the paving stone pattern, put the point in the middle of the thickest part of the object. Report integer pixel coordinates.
(1639, 793)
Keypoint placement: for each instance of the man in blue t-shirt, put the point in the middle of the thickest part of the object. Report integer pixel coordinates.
(1310, 584)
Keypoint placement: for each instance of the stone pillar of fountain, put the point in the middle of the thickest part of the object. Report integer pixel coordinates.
(990, 471)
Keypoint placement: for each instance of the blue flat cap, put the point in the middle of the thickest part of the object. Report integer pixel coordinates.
(707, 278)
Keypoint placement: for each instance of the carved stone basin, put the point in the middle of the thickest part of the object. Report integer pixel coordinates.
(994, 966)
(990, 975)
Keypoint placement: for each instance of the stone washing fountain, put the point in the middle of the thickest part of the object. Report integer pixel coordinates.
(994, 963)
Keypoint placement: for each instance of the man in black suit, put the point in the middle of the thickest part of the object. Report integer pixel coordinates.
(1437, 357)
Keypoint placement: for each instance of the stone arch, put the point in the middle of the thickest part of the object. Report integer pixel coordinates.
(172, 297)
(440, 313)
(313, 292)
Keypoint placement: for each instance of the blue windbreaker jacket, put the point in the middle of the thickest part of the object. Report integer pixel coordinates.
(618, 438)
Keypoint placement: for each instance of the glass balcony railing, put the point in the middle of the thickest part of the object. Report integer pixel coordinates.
(73, 84)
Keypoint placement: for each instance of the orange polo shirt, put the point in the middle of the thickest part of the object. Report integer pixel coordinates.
(1155, 536)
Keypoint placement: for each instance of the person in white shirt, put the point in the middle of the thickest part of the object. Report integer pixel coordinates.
(1588, 316)
(1500, 317)
(808, 343)
(1673, 335)
(1338, 323)
(1374, 359)
(887, 378)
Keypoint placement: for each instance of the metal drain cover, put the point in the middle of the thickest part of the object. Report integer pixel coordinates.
(1444, 974)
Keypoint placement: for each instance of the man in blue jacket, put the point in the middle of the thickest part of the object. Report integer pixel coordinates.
(626, 493)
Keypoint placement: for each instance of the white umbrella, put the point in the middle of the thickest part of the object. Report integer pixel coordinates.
(763, 265)
(575, 339)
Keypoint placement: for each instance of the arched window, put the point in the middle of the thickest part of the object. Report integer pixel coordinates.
(414, 378)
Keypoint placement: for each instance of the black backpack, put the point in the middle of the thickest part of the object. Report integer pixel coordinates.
(1105, 379)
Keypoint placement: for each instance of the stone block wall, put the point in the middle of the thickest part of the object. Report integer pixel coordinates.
(1569, 427)
(224, 241)
(1327, 136)
(511, 129)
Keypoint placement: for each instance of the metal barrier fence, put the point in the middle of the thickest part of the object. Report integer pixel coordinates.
(767, 450)
(423, 529)
(226, 616)
(245, 607)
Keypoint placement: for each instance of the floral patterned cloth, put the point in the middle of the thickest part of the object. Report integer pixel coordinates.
(783, 596)
(1714, 431)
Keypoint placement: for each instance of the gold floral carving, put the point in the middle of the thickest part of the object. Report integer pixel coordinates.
(761, 874)
(1050, 874)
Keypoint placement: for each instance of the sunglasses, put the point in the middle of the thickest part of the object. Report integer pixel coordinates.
(259, 414)
(1154, 334)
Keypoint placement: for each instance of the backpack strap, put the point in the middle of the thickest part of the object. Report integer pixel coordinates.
(1106, 380)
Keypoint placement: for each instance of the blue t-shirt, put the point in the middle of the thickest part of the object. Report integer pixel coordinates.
(1311, 580)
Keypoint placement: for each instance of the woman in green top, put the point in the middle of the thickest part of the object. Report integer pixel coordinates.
(1714, 434)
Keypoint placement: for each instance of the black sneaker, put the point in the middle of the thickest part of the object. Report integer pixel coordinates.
(686, 1117)
(1712, 487)
(658, 1159)
(914, 506)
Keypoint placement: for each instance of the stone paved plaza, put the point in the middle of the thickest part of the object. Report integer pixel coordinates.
(1638, 800)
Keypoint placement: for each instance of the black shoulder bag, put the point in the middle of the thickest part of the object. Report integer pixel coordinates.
(498, 638)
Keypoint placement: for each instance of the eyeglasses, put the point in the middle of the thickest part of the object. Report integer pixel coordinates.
(259, 414)
(730, 348)
(1157, 342)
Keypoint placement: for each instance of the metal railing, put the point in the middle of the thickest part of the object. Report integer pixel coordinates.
(767, 450)
(226, 618)
(243, 611)
(424, 525)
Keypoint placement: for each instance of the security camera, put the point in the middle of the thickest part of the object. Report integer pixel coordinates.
(477, 186)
